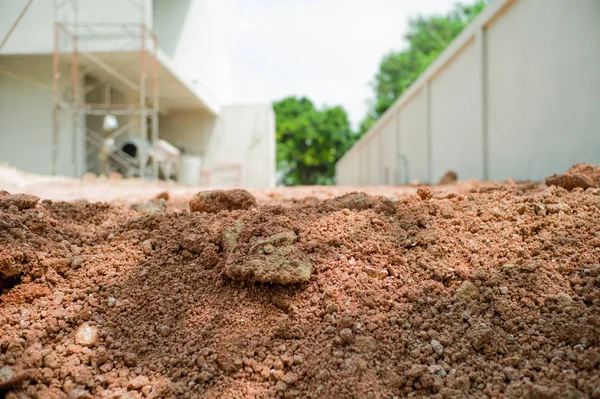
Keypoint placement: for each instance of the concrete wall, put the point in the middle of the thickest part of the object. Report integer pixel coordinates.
(187, 130)
(26, 118)
(35, 32)
(243, 135)
(193, 33)
(517, 94)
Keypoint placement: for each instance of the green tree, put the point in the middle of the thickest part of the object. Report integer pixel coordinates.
(427, 37)
(310, 141)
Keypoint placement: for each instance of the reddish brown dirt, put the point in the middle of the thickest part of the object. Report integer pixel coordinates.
(489, 293)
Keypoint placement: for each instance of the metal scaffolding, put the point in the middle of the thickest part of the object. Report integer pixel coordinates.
(82, 46)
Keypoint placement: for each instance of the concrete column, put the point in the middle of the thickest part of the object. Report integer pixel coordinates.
(428, 129)
(480, 42)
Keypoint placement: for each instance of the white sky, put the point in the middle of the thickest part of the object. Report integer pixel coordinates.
(328, 50)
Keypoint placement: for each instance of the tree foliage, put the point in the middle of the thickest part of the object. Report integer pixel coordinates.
(310, 141)
(427, 37)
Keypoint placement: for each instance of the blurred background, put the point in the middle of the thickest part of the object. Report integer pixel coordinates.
(300, 92)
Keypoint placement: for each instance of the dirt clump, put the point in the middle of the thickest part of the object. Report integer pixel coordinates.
(162, 195)
(274, 259)
(587, 169)
(582, 175)
(424, 193)
(448, 178)
(156, 206)
(215, 201)
(485, 293)
(20, 201)
(354, 201)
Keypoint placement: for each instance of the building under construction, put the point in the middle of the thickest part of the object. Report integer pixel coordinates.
(124, 86)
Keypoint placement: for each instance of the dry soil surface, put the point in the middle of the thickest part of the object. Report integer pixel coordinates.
(476, 290)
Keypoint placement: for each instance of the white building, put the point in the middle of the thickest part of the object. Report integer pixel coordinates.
(67, 67)
(516, 94)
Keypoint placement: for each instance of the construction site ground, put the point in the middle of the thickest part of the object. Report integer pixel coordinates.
(466, 290)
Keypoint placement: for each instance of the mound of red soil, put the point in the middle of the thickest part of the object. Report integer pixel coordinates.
(495, 293)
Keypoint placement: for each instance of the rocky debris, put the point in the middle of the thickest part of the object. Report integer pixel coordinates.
(138, 382)
(20, 201)
(222, 200)
(346, 335)
(155, 207)
(449, 178)
(274, 259)
(79, 393)
(424, 193)
(581, 175)
(466, 291)
(86, 335)
(354, 201)
(437, 347)
(587, 169)
(570, 181)
(9, 378)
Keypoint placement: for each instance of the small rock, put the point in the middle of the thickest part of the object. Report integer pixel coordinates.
(346, 335)
(50, 361)
(298, 359)
(163, 330)
(446, 210)
(425, 193)
(354, 201)
(448, 178)
(285, 264)
(374, 273)
(437, 370)
(154, 207)
(280, 386)
(392, 272)
(86, 335)
(467, 290)
(20, 201)
(289, 378)
(76, 263)
(437, 347)
(570, 181)
(513, 361)
(138, 382)
(8, 378)
(503, 290)
(79, 393)
(58, 297)
(219, 200)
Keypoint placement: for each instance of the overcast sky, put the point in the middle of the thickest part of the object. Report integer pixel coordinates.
(327, 50)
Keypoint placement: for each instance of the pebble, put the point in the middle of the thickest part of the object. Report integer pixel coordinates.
(289, 378)
(281, 386)
(138, 382)
(50, 361)
(58, 297)
(298, 359)
(437, 347)
(467, 290)
(503, 290)
(79, 393)
(86, 335)
(346, 335)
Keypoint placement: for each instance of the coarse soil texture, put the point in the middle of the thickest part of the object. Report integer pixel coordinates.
(493, 292)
